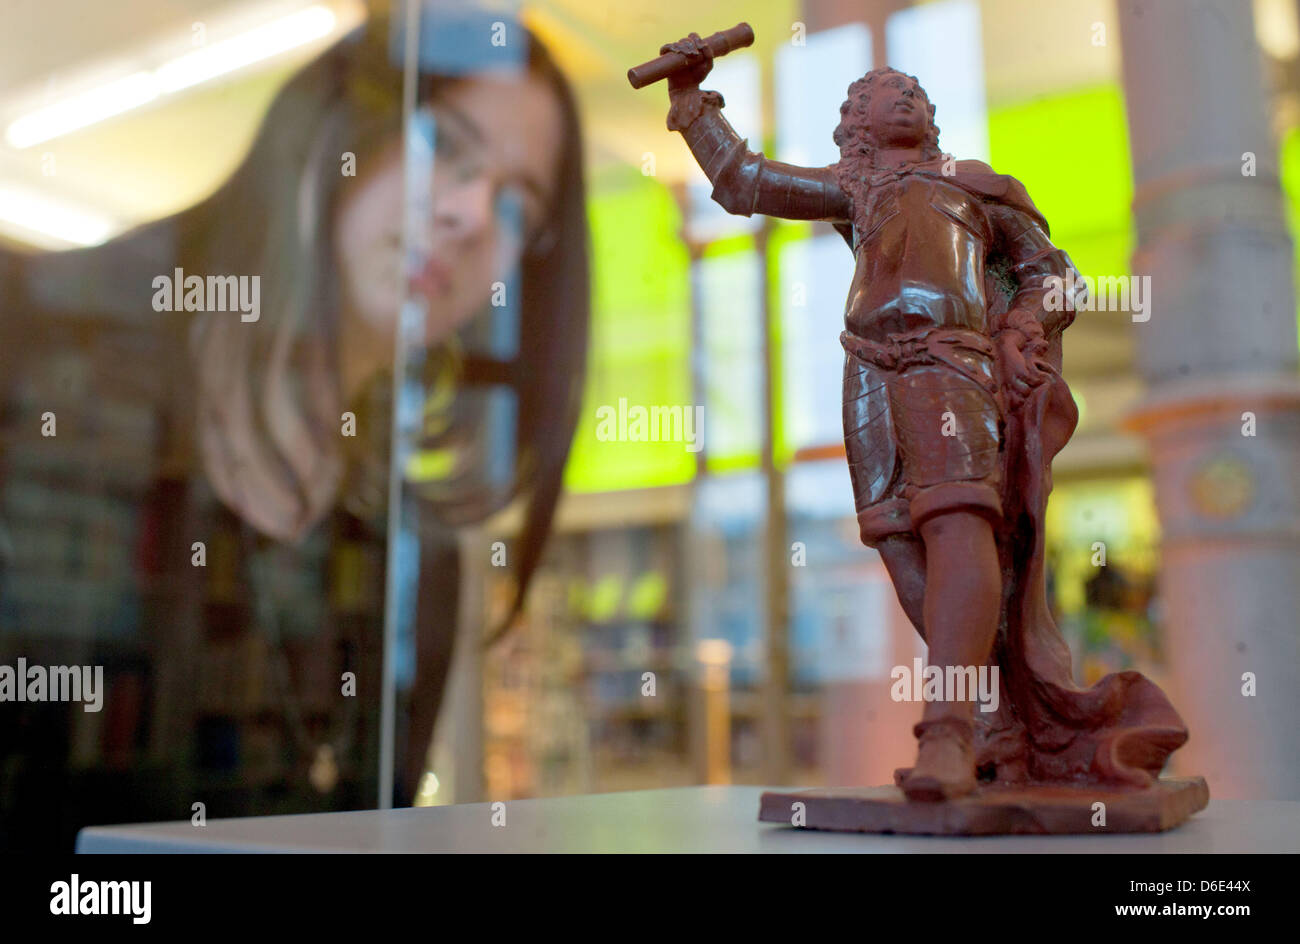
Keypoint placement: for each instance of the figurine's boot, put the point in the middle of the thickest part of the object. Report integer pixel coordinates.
(945, 761)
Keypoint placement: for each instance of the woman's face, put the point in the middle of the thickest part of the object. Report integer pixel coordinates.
(494, 183)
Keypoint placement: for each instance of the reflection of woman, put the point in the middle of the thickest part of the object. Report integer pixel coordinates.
(504, 138)
(256, 462)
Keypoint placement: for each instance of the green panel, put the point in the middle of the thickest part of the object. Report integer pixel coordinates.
(782, 235)
(739, 462)
(1071, 153)
(640, 333)
(1290, 172)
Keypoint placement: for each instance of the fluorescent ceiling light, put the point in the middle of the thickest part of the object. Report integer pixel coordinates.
(51, 223)
(82, 110)
(88, 108)
(263, 42)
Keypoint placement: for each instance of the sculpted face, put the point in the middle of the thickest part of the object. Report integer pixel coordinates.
(898, 112)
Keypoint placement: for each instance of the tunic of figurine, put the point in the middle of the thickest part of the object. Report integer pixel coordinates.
(930, 366)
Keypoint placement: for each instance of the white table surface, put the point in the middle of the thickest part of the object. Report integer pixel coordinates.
(687, 819)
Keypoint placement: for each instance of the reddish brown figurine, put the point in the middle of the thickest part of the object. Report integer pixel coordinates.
(954, 406)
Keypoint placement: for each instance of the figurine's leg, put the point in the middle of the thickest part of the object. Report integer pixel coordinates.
(963, 595)
(949, 441)
(904, 557)
(962, 602)
(883, 516)
(884, 521)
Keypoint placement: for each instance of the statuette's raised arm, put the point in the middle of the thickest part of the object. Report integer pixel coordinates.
(746, 183)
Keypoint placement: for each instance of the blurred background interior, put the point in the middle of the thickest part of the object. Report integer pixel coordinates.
(710, 616)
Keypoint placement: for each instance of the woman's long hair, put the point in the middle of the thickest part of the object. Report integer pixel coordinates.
(269, 394)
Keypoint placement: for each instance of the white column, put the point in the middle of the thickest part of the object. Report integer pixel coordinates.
(1220, 344)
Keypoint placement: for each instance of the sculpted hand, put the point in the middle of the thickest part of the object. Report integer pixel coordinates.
(688, 101)
(699, 62)
(1020, 350)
